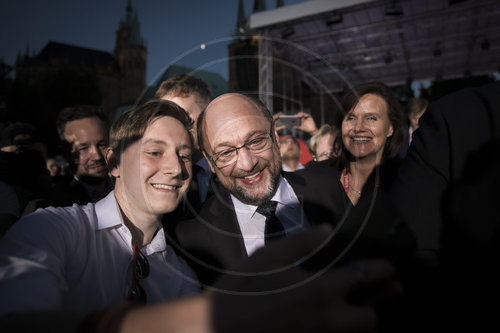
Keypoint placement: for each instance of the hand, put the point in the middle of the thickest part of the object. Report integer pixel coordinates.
(272, 292)
(275, 119)
(307, 123)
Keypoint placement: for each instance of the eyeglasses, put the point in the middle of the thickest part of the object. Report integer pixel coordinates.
(327, 154)
(141, 271)
(256, 145)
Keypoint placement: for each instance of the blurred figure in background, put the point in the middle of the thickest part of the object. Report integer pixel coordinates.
(52, 167)
(290, 153)
(324, 143)
(83, 131)
(415, 109)
(22, 163)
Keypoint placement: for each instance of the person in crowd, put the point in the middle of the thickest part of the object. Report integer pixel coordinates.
(52, 167)
(55, 171)
(440, 152)
(87, 257)
(22, 164)
(19, 137)
(447, 191)
(324, 143)
(255, 202)
(306, 125)
(193, 95)
(415, 109)
(83, 131)
(372, 132)
(290, 153)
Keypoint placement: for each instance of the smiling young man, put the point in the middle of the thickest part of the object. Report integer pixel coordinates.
(85, 258)
(255, 202)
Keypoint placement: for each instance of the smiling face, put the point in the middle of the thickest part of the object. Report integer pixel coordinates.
(89, 141)
(233, 120)
(154, 173)
(366, 128)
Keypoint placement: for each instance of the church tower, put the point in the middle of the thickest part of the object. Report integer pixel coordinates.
(130, 51)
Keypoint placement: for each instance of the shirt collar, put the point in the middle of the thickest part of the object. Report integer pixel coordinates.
(109, 216)
(107, 212)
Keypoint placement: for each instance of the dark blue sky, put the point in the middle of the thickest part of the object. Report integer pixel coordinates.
(173, 29)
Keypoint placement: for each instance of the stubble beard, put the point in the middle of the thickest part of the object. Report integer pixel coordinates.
(244, 196)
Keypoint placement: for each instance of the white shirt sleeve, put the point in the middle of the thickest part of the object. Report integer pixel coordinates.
(32, 261)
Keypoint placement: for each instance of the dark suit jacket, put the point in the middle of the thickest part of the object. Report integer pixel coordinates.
(212, 241)
(67, 193)
(450, 130)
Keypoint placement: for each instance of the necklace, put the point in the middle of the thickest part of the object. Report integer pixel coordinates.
(356, 191)
(348, 186)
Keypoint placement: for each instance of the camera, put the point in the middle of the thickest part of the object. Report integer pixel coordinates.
(288, 120)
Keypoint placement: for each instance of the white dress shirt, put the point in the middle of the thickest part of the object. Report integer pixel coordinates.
(80, 258)
(288, 211)
(285, 167)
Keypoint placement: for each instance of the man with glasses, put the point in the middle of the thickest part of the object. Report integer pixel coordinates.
(87, 257)
(255, 203)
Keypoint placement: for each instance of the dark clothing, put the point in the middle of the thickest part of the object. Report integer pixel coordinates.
(450, 130)
(196, 195)
(371, 228)
(212, 241)
(447, 190)
(67, 193)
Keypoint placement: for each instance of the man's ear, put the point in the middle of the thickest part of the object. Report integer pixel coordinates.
(209, 161)
(112, 162)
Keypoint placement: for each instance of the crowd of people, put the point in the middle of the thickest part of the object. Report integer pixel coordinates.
(194, 213)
